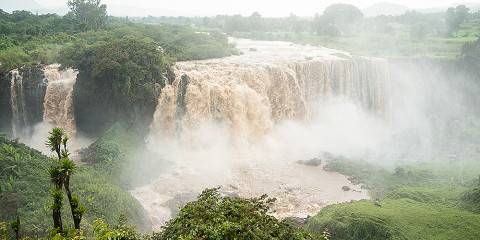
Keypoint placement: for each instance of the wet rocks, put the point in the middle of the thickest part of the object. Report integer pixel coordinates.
(314, 162)
(179, 201)
(297, 221)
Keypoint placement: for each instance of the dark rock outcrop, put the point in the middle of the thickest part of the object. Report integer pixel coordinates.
(5, 107)
(33, 87)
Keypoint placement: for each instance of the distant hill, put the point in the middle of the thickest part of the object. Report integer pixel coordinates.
(474, 7)
(385, 8)
(12, 5)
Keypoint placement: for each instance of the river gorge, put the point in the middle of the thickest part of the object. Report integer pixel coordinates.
(249, 123)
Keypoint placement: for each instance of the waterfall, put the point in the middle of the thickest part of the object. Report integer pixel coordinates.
(17, 102)
(250, 98)
(243, 122)
(58, 103)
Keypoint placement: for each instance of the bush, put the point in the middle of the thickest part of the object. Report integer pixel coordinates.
(216, 217)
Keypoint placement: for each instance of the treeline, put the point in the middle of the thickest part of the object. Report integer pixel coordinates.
(336, 20)
(28, 39)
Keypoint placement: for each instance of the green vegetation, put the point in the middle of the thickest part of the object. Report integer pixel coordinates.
(25, 193)
(454, 17)
(139, 69)
(412, 34)
(338, 19)
(396, 219)
(215, 217)
(117, 153)
(123, 66)
(88, 14)
(60, 175)
(413, 201)
(29, 39)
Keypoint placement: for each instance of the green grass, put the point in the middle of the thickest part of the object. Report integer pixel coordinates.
(427, 200)
(396, 219)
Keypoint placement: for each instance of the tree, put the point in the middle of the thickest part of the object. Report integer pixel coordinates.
(126, 72)
(57, 196)
(60, 174)
(454, 17)
(339, 16)
(256, 22)
(90, 14)
(215, 217)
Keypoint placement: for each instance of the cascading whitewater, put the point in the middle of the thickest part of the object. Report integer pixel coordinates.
(58, 103)
(244, 122)
(17, 102)
(253, 92)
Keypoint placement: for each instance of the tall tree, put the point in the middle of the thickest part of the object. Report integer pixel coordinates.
(60, 174)
(90, 14)
(455, 17)
(341, 17)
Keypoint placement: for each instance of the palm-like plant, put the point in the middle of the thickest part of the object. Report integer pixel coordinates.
(68, 167)
(55, 140)
(56, 177)
(60, 175)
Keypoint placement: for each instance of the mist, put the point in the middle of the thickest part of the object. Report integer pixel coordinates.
(218, 7)
(345, 120)
(237, 149)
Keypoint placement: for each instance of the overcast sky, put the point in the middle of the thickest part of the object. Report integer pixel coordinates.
(245, 7)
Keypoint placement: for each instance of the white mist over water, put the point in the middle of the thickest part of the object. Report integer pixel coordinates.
(243, 122)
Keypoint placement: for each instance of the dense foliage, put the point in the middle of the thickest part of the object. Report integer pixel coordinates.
(24, 181)
(88, 14)
(126, 73)
(338, 19)
(216, 217)
(454, 17)
(27, 38)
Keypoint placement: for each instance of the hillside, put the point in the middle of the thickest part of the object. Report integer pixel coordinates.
(25, 187)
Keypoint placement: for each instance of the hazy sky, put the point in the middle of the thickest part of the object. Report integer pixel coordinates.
(265, 7)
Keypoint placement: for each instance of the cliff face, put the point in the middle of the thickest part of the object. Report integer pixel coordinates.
(97, 107)
(35, 86)
(22, 93)
(5, 107)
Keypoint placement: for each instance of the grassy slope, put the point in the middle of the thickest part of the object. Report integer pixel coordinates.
(397, 219)
(102, 197)
(416, 201)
